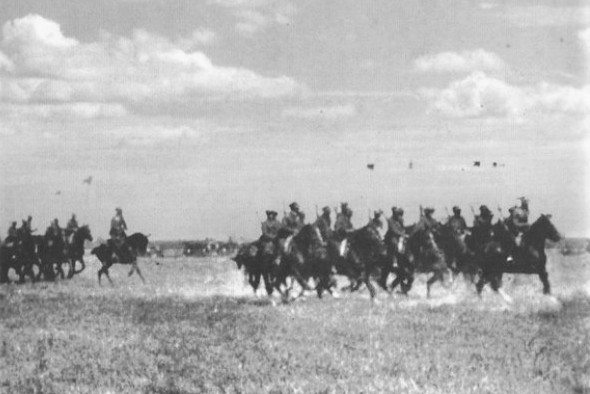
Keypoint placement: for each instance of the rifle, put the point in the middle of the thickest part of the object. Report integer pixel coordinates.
(447, 211)
(421, 211)
(317, 215)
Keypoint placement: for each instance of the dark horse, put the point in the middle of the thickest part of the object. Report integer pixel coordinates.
(109, 254)
(75, 249)
(13, 256)
(257, 258)
(422, 256)
(459, 258)
(366, 254)
(304, 256)
(528, 258)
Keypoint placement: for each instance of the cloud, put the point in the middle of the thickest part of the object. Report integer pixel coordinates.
(481, 96)
(542, 15)
(334, 112)
(584, 37)
(465, 61)
(38, 64)
(160, 133)
(255, 16)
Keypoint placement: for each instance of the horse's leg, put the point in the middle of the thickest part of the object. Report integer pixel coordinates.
(136, 266)
(267, 283)
(438, 276)
(366, 279)
(544, 276)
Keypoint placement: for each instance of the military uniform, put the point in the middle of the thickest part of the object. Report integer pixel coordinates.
(324, 224)
(71, 227)
(343, 223)
(270, 228)
(427, 223)
(294, 220)
(395, 229)
(457, 222)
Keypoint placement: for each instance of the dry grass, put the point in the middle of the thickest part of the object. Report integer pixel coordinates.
(196, 328)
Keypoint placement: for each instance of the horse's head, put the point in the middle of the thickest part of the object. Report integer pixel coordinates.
(84, 233)
(543, 229)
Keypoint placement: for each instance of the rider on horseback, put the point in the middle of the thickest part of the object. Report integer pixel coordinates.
(295, 219)
(117, 233)
(343, 225)
(12, 235)
(71, 228)
(517, 222)
(427, 223)
(324, 224)
(395, 230)
(375, 222)
(457, 222)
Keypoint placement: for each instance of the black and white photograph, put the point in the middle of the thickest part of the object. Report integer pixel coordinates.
(280, 196)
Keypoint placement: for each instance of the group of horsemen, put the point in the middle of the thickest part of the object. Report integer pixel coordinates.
(481, 232)
(64, 236)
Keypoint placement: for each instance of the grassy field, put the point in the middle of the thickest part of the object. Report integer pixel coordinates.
(195, 327)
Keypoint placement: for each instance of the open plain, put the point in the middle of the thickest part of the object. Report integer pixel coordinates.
(196, 327)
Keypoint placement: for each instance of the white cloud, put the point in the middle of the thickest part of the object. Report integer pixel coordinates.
(254, 16)
(479, 95)
(333, 112)
(542, 15)
(160, 133)
(584, 36)
(41, 65)
(465, 61)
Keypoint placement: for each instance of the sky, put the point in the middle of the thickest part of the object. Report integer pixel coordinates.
(196, 116)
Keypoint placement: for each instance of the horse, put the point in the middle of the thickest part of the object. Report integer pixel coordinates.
(75, 249)
(528, 258)
(422, 256)
(459, 258)
(256, 258)
(52, 254)
(303, 256)
(9, 259)
(126, 253)
(366, 253)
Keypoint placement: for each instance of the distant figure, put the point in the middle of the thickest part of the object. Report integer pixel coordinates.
(324, 223)
(482, 226)
(54, 230)
(118, 228)
(295, 219)
(457, 222)
(375, 221)
(343, 225)
(270, 227)
(395, 230)
(12, 233)
(427, 223)
(71, 227)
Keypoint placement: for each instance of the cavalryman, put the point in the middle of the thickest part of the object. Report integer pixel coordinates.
(295, 219)
(12, 233)
(71, 227)
(482, 225)
(118, 227)
(270, 227)
(54, 230)
(395, 229)
(343, 223)
(427, 222)
(518, 221)
(457, 222)
(324, 223)
(375, 221)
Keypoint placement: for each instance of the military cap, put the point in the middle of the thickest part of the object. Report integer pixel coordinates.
(271, 213)
(344, 205)
(428, 210)
(394, 209)
(399, 211)
(326, 209)
(456, 209)
(118, 209)
(294, 205)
